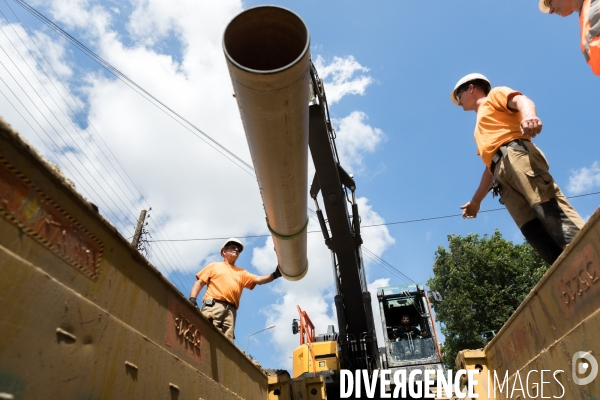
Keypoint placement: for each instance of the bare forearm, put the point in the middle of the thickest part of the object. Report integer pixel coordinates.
(530, 125)
(484, 186)
(471, 209)
(525, 106)
(196, 288)
(261, 280)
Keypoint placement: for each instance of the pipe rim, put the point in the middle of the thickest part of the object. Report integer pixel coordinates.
(303, 53)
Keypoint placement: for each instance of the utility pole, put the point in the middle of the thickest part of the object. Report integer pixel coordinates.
(138, 229)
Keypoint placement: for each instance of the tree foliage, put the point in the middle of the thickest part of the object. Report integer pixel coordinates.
(482, 282)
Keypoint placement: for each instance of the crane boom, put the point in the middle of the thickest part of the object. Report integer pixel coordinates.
(354, 312)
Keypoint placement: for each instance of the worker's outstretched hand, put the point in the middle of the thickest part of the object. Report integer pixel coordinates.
(470, 209)
(193, 301)
(531, 126)
(277, 273)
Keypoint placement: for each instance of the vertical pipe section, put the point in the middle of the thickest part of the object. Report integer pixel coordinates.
(267, 53)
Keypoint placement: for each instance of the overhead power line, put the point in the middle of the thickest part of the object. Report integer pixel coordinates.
(191, 127)
(147, 95)
(164, 259)
(409, 221)
(458, 215)
(387, 265)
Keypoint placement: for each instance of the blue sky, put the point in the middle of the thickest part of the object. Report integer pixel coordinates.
(411, 150)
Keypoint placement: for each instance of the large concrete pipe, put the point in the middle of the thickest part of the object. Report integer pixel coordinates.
(267, 52)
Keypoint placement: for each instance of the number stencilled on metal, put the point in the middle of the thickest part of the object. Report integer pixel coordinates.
(580, 283)
(185, 330)
(580, 280)
(26, 206)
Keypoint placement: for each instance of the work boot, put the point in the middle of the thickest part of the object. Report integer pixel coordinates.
(541, 241)
(556, 222)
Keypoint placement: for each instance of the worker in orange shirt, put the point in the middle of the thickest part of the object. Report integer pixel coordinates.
(225, 283)
(514, 167)
(589, 20)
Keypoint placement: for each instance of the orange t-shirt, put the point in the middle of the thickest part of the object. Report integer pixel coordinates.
(226, 282)
(496, 123)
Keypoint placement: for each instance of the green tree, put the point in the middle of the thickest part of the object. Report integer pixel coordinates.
(482, 282)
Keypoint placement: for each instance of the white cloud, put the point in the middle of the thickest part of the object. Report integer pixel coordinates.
(584, 179)
(27, 103)
(338, 77)
(314, 293)
(93, 19)
(54, 53)
(355, 139)
(376, 238)
(373, 286)
(194, 191)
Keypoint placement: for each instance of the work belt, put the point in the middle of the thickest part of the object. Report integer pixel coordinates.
(210, 302)
(502, 151)
(226, 303)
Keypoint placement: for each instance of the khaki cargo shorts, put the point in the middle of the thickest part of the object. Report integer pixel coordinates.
(525, 181)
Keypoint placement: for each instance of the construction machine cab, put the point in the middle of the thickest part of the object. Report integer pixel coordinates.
(414, 346)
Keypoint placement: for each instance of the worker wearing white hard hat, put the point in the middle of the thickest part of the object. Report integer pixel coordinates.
(515, 168)
(589, 21)
(232, 241)
(225, 283)
(470, 78)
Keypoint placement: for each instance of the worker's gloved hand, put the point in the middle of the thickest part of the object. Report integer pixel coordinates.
(193, 301)
(277, 273)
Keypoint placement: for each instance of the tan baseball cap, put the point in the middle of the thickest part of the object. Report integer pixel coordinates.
(543, 7)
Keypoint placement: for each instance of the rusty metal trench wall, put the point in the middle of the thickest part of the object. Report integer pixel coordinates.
(83, 315)
(555, 329)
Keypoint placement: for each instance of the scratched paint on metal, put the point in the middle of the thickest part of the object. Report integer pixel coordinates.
(559, 318)
(513, 343)
(183, 329)
(580, 281)
(518, 338)
(39, 216)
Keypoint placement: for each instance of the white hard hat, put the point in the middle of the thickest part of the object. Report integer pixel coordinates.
(465, 79)
(543, 7)
(232, 240)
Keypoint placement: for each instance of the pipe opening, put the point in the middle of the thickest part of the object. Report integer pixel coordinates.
(265, 39)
